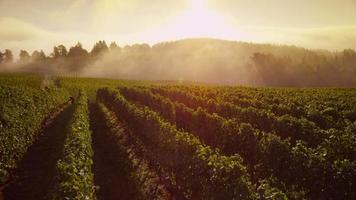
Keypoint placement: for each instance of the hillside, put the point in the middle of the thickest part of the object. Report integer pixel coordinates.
(204, 60)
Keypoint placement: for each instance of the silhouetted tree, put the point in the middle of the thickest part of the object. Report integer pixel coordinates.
(349, 53)
(349, 58)
(99, 49)
(55, 53)
(77, 51)
(113, 46)
(1, 57)
(7, 56)
(77, 57)
(38, 56)
(24, 56)
(59, 51)
(272, 70)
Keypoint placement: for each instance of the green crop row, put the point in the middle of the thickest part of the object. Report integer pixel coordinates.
(22, 113)
(141, 180)
(200, 171)
(75, 178)
(265, 120)
(263, 153)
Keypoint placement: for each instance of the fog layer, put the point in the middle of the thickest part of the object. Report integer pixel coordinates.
(204, 60)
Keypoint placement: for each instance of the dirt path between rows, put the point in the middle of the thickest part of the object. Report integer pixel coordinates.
(109, 174)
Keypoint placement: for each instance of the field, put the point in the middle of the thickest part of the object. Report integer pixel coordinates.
(82, 138)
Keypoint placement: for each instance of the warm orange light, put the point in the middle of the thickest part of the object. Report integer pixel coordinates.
(200, 20)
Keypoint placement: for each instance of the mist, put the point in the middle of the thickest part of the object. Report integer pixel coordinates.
(228, 63)
(202, 60)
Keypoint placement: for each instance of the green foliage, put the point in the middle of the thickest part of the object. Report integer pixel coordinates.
(288, 144)
(200, 171)
(22, 111)
(206, 142)
(267, 192)
(91, 85)
(75, 177)
(32, 81)
(141, 179)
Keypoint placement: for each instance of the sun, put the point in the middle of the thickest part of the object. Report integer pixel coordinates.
(199, 20)
(197, 4)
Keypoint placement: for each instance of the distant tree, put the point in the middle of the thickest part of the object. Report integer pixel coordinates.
(272, 69)
(1, 57)
(7, 56)
(43, 55)
(59, 51)
(62, 50)
(78, 51)
(349, 53)
(113, 46)
(77, 57)
(24, 56)
(349, 58)
(99, 49)
(55, 53)
(38, 56)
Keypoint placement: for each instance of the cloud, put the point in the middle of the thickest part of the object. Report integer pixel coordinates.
(16, 34)
(330, 38)
(16, 30)
(77, 4)
(132, 16)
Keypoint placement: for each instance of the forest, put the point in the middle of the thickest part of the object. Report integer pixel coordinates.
(199, 60)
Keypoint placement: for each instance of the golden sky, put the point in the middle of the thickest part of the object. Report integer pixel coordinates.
(40, 24)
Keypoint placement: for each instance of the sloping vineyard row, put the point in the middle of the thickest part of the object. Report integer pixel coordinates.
(75, 177)
(200, 171)
(22, 111)
(300, 99)
(285, 126)
(338, 142)
(127, 154)
(262, 152)
(141, 141)
(327, 108)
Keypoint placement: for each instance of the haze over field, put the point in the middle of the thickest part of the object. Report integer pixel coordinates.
(144, 33)
(177, 99)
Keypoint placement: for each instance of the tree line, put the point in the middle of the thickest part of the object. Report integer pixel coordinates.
(203, 60)
(75, 57)
(59, 51)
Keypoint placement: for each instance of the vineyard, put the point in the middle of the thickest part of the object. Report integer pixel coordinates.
(81, 138)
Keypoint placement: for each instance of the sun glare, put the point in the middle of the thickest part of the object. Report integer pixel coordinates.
(201, 20)
(197, 4)
(198, 20)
